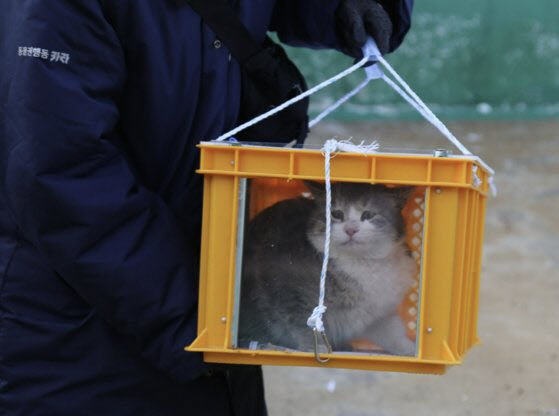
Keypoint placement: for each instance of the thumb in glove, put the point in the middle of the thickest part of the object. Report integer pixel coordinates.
(358, 19)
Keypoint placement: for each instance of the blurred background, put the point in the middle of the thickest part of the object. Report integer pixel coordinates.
(490, 70)
(476, 59)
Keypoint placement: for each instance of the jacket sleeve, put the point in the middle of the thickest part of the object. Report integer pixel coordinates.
(307, 23)
(312, 23)
(400, 13)
(74, 196)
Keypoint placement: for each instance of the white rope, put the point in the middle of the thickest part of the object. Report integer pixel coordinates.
(370, 52)
(315, 320)
(293, 100)
(348, 146)
(372, 71)
(337, 104)
(492, 186)
(405, 96)
(326, 112)
(427, 113)
(476, 180)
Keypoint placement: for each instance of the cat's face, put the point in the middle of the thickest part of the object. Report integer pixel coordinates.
(366, 219)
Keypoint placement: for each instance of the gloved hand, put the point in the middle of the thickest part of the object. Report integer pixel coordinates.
(357, 19)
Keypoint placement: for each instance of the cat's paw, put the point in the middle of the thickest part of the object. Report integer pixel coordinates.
(390, 334)
(403, 346)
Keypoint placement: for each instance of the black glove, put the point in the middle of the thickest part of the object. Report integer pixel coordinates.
(357, 19)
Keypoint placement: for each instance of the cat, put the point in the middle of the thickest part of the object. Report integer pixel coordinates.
(369, 272)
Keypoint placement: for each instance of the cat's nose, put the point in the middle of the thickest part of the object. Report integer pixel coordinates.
(350, 231)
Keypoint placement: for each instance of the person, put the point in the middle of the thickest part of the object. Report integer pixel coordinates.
(102, 105)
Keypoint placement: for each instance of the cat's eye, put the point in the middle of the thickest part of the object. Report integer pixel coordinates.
(379, 221)
(338, 214)
(367, 215)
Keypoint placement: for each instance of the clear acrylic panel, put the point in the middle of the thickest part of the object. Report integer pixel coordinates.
(373, 279)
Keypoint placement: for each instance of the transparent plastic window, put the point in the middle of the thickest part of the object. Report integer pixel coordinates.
(372, 284)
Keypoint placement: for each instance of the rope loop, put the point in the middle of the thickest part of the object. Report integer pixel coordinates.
(315, 320)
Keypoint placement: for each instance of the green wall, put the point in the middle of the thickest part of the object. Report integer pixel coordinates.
(471, 59)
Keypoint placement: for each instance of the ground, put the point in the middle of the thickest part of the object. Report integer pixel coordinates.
(515, 371)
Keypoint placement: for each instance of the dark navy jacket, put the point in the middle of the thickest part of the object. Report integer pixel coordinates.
(101, 105)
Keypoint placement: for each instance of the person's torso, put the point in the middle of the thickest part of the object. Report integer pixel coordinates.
(181, 87)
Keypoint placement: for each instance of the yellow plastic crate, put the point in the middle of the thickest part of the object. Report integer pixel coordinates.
(454, 190)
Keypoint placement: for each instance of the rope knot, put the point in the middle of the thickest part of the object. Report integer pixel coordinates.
(334, 145)
(315, 320)
(330, 147)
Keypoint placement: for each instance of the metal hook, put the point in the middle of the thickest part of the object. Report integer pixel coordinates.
(325, 340)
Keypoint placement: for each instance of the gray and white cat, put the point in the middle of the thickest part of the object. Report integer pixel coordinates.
(369, 269)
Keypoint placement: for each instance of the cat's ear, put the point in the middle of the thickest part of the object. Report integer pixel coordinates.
(315, 188)
(402, 194)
